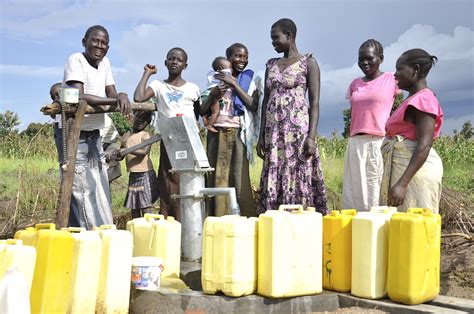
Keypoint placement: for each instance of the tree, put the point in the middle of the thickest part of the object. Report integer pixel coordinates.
(120, 122)
(347, 122)
(467, 130)
(33, 128)
(9, 122)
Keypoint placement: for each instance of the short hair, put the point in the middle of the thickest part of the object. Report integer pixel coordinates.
(96, 28)
(143, 115)
(216, 62)
(369, 43)
(420, 57)
(230, 50)
(179, 49)
(286, 26)
(54, 87)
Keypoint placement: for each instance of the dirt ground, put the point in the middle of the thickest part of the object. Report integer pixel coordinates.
(457, 267)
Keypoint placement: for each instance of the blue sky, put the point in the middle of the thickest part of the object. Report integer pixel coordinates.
(36, 38)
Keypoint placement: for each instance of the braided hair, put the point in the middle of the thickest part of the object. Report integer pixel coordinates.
(369, 43)
(419, 56)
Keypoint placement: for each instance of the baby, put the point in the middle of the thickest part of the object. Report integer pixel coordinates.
(222, 65)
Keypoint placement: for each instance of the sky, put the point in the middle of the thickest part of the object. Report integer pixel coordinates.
(37, 37)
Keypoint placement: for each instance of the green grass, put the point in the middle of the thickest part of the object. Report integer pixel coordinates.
(29, 177)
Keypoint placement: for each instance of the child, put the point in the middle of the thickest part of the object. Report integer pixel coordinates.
(412, 168)
(142, 185)
(173, 96)
(371, 97)
(219, 65)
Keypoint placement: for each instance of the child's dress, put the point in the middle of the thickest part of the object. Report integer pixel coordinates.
(142, 181)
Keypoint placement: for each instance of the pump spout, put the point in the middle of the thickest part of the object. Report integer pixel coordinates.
(230, 192)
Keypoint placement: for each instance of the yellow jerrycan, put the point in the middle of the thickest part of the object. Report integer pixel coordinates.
(14, 254)
(337, 250)
(153, 235)
(229, 258)
(27, 235)
(87, 251)
(113, 294)
(50, 291)
(289, 252)
(370, 252)
(414, 256)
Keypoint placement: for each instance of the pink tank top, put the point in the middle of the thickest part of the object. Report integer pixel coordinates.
(371, 103)
(424, 100)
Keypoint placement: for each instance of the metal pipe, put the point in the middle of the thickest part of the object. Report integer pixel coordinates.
(230, 192)
(192, 215)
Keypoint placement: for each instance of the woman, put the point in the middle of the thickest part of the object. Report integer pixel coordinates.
(230, 149)
(371, 97)
(291, 171)
(412, 168)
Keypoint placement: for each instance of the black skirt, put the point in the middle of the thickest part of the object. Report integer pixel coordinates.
(142, 190)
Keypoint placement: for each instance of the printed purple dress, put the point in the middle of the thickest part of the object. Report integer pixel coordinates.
(288, 176)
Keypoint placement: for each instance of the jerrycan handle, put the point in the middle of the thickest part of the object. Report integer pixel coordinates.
(349, 212)
(153, 217)
(298, 207)
(14, 241)
(383, 209)
(49, 226)
(423, 211)
(415, 210)
(74, 229)
(107, 227)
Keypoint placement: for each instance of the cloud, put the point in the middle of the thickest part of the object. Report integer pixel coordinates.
(40, 71)
(31, 71)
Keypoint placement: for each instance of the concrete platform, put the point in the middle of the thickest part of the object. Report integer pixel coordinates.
(173, 301)
(168, 300)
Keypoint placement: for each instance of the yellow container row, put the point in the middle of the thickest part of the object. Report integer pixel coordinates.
(76, 271)
(283, 254)
(276, 255)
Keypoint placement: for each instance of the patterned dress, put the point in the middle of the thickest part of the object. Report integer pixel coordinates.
(288, 176)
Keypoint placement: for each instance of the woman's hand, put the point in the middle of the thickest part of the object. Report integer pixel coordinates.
(218, 92)
(396, 195)
(261, 148)
(226, 78)
(309, 146)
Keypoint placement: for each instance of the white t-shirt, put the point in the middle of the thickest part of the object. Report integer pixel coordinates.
(172, 100)
(95, 80)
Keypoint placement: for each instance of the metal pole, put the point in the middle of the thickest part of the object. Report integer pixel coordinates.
(192, 215)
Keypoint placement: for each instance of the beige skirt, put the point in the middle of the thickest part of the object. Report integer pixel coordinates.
(424, 189)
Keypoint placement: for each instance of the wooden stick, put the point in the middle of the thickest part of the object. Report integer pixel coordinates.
(457, 235)
(149, 141)
(64, 203)
(55, 108)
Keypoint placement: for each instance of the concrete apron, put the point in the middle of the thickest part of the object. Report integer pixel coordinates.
(168, 300)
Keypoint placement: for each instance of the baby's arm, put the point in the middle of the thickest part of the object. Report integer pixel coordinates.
(142, 92)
